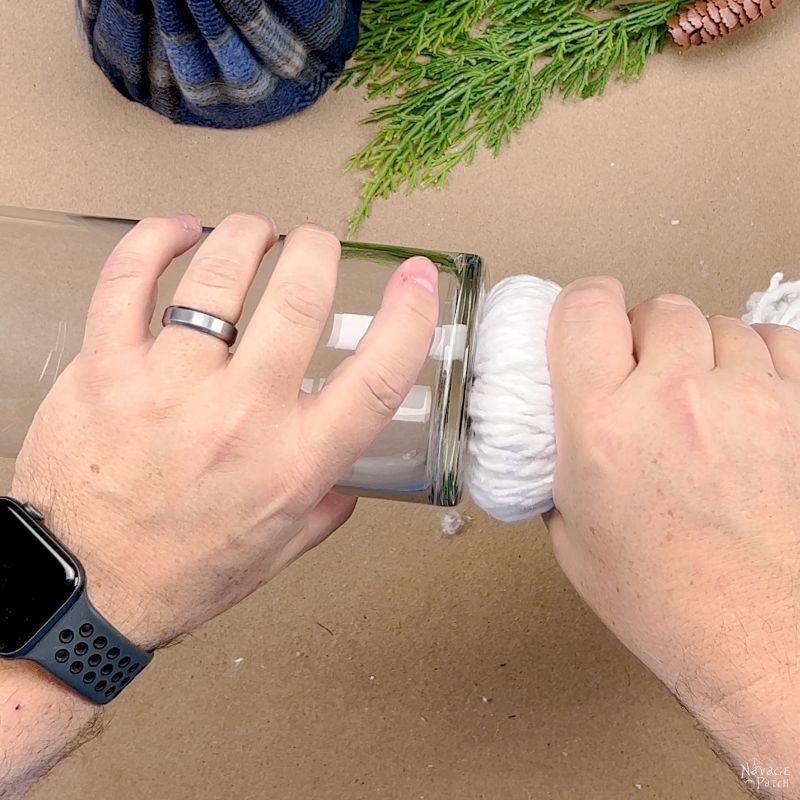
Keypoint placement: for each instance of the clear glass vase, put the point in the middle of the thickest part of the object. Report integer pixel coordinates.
(48, 270)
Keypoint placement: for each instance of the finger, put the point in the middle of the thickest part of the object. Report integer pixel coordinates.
(216, 282)
(671, 334)
(589, 346)
(362, 395)
(122, 304)
(329, 515)
(783, 343)
(738, 348)
(280, 340)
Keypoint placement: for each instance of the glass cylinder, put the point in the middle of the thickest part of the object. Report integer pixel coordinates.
(49, 267)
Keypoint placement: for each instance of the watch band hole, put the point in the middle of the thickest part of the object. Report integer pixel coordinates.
(81, 649)
(66, 636)
(113, 653)
(116, 677)
(100, 685)
(76, 667)
(124, 661)
(89, 677)
(86, 630)
(110, 691)
(61, 656)
(94, 660)
(133, 667)
(107, 669)
(100, 642)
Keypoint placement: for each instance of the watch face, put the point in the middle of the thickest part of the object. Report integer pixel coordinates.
(37, 578)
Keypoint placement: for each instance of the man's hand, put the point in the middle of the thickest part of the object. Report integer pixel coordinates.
(184, 478)
(677, 490)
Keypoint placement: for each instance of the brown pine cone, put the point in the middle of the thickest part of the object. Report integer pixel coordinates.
(704, 21)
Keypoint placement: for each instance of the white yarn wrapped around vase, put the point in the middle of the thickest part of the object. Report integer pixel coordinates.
(512, 447)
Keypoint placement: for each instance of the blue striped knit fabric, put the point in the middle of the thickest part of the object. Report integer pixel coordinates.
(221, 63)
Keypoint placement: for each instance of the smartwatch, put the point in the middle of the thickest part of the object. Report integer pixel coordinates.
(46, 615)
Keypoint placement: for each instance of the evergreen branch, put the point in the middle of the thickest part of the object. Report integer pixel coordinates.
(455, 75)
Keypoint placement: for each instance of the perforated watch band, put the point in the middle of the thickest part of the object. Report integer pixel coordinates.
(85, 652)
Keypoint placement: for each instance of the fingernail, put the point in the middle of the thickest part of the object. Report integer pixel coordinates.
(423, 272)
(189, 222)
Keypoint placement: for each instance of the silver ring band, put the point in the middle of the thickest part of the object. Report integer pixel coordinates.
(200, 321)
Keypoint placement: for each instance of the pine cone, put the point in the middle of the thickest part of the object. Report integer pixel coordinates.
(704, 21)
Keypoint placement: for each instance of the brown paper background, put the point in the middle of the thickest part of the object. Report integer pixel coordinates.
(390, 702)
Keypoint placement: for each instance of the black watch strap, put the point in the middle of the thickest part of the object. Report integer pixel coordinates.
(85, 652)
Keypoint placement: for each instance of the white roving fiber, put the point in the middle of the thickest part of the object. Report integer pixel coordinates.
(512, 448)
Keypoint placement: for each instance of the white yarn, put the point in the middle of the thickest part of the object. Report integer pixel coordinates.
(512, 448)
(453, 523)
(779, 304)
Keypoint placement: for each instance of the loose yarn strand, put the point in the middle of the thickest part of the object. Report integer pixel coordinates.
(779, 304)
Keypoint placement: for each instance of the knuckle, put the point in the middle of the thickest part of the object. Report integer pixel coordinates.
(156, 224)
(94, 375)
(594, 425)
(589, 296)
(298, 488)
(684, 391)
(723, 321)
(760, 401)
(242, 219)
(383, 390)
(161, 406)
(422, 314)
(784, 331)
(215, 272)
(672, 300)
(685, 402)
(230, 438)
(600, 283)
(322, 236)
(121, 267)
(301, 304)
(781, 335)
(298, 485)
(600, 438)
(660, 304)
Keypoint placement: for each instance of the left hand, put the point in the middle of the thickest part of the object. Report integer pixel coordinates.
(183, 477)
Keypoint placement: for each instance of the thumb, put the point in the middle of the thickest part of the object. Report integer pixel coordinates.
(363, 394)
(589, 341)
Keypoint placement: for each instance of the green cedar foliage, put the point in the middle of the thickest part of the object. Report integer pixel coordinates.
(453, 75)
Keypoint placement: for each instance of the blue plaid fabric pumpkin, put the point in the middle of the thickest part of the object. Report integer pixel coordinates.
(221, 63)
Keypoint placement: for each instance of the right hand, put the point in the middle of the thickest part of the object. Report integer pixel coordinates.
(677, 489)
